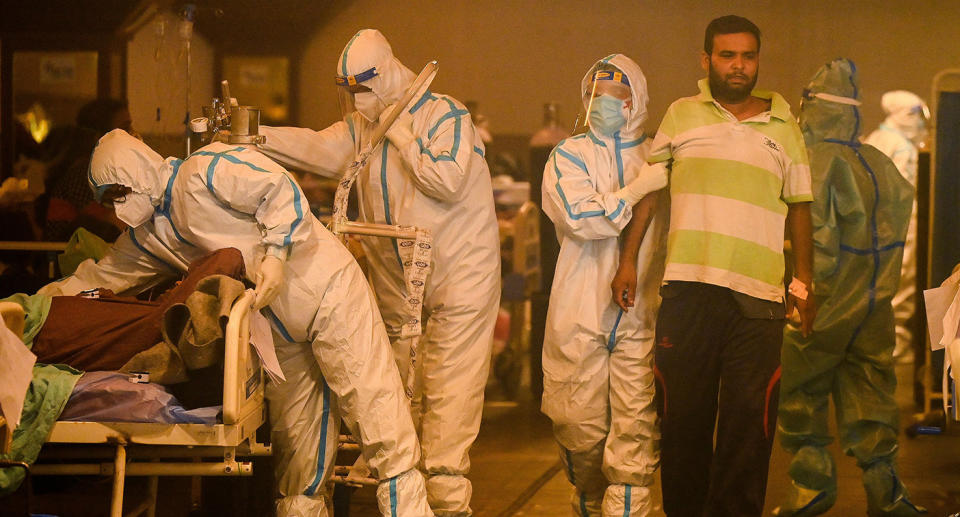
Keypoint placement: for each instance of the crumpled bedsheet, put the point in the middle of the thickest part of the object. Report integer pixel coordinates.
(111, 397)
(46, 397)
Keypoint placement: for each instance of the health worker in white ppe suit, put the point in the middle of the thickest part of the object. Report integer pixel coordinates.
(598, 386)
(328, 334)
(898, 137)
(430, 173)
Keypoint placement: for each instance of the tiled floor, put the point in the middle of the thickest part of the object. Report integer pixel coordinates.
(516, 470)
(516, 473)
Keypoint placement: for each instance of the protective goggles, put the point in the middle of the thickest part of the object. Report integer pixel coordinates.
(99, 191)
(610, 75)
(353, 80)
(810, 95)
(111, 194)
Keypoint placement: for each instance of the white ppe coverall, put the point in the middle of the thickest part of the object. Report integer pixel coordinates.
(439, 182)
(328, 334)
(597, 359)
(897, 137)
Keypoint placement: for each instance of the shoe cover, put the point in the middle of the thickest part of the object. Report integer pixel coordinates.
(886, 494)
(583, 507)
(804, 502)
(302, 506)
(626, 500)
(814, 483)
(449, 495)
(403, 496)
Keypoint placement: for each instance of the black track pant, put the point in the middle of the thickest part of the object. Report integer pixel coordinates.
(716, 349)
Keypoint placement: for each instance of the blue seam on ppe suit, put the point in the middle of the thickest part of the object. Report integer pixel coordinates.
(211, 168)
(165, 205)
(343, 64)
(875, 250)
(386, 198)
(322, 447)
(133, 238)
(457, 115)
(612, 340)
(563, 197)
(570, 476)
(427, 96)
(325, 414)
(393, 497)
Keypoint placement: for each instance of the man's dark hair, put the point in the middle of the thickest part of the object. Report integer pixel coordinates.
(730, 24)
(98, 114)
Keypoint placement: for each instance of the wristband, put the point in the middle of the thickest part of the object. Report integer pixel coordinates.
(798, 289)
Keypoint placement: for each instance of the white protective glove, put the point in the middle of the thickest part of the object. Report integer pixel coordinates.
(269, 279)
(650, 178)
(400, 133)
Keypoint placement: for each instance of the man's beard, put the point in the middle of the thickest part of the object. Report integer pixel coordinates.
(722, 90)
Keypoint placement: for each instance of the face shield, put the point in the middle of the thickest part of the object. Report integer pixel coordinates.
(918, 131)
(355, 96)
(607, 103)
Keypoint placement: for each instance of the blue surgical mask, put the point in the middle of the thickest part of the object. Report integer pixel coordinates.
(607, 115)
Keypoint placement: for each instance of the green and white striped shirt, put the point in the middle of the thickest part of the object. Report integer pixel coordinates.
(730, 182)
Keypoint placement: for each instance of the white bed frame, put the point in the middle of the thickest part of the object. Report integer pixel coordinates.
(173, 449)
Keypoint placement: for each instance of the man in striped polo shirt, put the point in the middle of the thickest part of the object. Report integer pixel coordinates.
(737, 170)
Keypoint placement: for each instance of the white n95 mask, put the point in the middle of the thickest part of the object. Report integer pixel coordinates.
(135, 210)
(369, 105)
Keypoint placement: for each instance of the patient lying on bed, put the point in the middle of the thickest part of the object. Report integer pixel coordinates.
(180, 331)
(104, 331)
(110, 333)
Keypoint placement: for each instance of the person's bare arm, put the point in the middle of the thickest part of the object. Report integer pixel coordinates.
(624, 284)
(800, 225)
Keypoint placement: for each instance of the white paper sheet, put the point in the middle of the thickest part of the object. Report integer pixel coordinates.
(951, 322)
(16, 371)
(937, 301)
(262, 337)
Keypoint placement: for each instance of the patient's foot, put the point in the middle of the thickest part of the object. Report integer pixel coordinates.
(13, 317)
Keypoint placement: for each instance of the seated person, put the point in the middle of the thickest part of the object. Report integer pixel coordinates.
(70, 203)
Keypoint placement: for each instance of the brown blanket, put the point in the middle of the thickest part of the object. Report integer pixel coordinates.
(104, 333)
(193, 333)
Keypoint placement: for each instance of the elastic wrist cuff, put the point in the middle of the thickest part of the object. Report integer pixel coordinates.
(279, 252)
(627, 196)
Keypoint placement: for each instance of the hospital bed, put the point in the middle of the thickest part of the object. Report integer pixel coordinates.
(520, 249)
(943, 248)
(153, 450)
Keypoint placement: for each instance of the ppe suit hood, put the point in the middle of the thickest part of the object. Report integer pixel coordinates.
(637, 115)
(822, 119)
(120, 159)
(370, 49)
(906, 112)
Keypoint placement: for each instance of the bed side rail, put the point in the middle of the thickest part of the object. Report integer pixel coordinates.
(242, 374)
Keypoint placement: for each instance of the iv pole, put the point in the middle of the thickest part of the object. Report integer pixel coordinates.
(186, 32)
